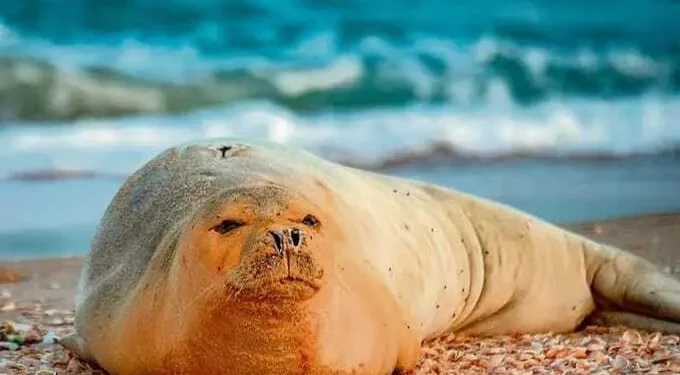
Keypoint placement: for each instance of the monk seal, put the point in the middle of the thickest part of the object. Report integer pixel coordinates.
(234, 256)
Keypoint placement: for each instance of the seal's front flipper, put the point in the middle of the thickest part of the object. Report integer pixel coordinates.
(632, 320)
(625, 282)
(77, 345)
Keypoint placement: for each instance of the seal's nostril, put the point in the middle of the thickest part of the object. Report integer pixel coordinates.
(295, 237)
(278, 242)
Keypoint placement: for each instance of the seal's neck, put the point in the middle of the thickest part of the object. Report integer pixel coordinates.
(214, 335)
(238, 337)
(417, 239)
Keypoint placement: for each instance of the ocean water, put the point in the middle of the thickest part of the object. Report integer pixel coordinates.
(102, 86)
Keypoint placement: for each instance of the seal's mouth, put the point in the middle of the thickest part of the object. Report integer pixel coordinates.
(276, 292)
(301, 281)
(272, 287)
(276, 272)
(290, 287)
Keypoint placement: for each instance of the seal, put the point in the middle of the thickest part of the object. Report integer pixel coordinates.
(234, 256)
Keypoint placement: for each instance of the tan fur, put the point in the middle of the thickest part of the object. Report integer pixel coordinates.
(390, 263)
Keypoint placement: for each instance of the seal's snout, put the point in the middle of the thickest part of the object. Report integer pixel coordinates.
(286, 240)
(287, 243)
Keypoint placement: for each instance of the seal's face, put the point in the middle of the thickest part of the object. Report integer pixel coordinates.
(264, 243)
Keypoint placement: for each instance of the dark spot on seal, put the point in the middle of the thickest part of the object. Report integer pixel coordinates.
(224, 150)
(462, 240)
(431, 229)
(390, 269)
(461, 271)
(444, 287)
(437, 306)
(407, 193)
(342, 268)
(408, 326)
(453, 315)
(463, 290)
(394, 191)
(219, 269)
(405, 226)
(486, 252)
(652, 292)
(573, 308)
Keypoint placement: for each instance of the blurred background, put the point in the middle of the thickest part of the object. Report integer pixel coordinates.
(566, 109)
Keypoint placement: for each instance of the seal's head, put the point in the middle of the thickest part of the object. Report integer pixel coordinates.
(261, 243)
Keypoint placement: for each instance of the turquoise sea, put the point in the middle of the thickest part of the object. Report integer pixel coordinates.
(588, 91)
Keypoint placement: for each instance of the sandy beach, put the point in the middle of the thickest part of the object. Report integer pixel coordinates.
(39, 307)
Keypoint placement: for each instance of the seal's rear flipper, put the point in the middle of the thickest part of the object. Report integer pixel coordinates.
(632, 320)
(625, 282)
(77, 345)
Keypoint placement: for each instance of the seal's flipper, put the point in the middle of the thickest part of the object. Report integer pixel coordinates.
(625, 282)
(77, 345)
(632, 320)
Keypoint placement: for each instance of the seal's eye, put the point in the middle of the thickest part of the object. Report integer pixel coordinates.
(226, 226)
(310, 220)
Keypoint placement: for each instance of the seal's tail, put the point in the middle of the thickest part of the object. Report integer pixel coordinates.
(631, 291)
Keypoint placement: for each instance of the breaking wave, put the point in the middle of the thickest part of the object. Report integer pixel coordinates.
(372, 74)
(129, 78)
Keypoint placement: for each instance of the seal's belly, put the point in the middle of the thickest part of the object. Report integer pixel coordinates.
(534, 276)
(546, 291)
(535, 315)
